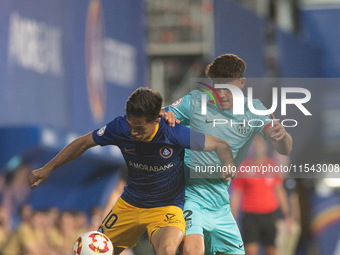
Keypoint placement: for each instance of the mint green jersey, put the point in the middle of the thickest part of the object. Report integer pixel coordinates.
(237, 130)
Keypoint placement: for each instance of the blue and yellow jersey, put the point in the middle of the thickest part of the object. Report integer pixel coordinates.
(155, 167)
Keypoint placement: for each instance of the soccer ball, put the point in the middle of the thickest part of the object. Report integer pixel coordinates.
(92, 243)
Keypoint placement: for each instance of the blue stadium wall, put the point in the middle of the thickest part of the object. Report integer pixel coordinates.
(69, 64)
(67, 68)
(240, 31)
(320, 24)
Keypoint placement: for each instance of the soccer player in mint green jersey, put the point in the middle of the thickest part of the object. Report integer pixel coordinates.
(210, 226)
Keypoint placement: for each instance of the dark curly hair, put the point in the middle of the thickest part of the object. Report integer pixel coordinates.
(144, 102)
(227, 66)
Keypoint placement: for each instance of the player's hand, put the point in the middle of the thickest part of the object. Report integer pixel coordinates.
(170, 118)
(279, 131)
(37, 177)
(229, 175)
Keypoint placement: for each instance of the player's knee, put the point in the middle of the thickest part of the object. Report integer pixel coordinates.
(167, 249)
(193, 250)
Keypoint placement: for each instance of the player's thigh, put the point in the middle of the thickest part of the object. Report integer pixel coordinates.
(159, 220)
(160, 217)
(199, 223)
(122, 225)
(192, 245)
(226, 237)
(166, 240)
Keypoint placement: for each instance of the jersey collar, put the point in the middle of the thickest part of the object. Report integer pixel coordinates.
(153, 135)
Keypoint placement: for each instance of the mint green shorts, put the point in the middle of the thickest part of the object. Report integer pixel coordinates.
(218, 228)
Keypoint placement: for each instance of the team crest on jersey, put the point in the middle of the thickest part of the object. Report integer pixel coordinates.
(177, 103)
(165, 152)
(101, 131)
(243, 128)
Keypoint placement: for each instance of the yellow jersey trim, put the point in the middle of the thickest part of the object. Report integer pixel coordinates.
(153, 135)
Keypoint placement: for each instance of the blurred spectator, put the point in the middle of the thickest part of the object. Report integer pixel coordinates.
(47, 231)
(15, 244)
(2, 185)
(287, 242)
(67, 233)
(4, 226)
(15, 190)
(31, 238)
(26, 212)
(260, 197)
(53, 233)
(96, 218)
(54, 215)
(81, 221)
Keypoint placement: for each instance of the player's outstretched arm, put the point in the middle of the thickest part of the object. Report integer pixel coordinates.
(277, 135)
(224, 153)
(69, 153)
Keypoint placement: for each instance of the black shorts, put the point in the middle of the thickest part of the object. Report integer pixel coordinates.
(259, 228)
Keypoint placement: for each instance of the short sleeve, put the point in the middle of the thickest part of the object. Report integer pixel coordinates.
(188, 138)
(108, 134)
(181, 109)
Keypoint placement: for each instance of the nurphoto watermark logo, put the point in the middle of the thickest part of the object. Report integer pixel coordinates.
(238, 104)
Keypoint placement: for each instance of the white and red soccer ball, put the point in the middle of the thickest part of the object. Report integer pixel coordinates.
(92, 243)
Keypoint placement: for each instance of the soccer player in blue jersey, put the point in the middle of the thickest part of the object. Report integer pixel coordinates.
(154, 153)
(210, 226)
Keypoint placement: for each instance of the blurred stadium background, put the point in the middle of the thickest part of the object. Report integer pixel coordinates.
(67, 67)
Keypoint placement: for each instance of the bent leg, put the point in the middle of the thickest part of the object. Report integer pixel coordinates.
(166, 240)
(192, 245)
(121, 226)
(226, 238)
(251, 248)
(270, 250)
